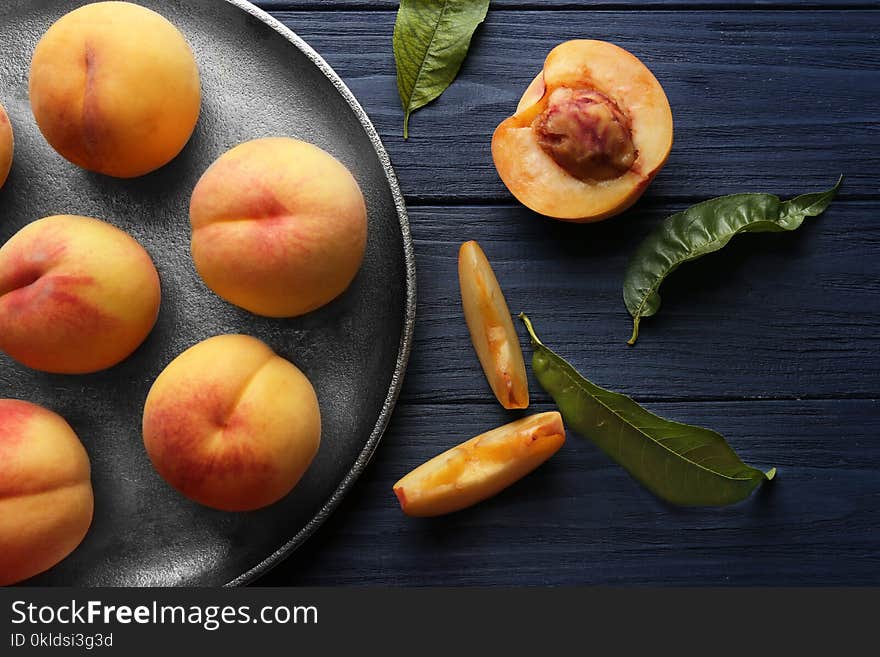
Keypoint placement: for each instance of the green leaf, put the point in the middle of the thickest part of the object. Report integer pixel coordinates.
(680, 463)
(431, 40)
(702, 229)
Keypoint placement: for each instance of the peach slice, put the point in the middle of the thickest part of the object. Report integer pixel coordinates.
(590, 133)
(46, 499)
(481, 467)
(491, 327)
(7, 145)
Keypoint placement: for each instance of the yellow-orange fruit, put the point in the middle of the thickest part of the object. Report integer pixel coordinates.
(279, 227)
(115, 88)
(46, 498)
(481, 467)
(7, 145)
(77, 295)
(232, 425)
(491, 327)
(590, 133)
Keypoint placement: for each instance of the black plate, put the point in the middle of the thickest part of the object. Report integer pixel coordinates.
(258, 79)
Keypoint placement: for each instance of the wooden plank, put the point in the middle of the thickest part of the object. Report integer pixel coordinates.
(773, 315)
(769, 100)
(580, 519)
(499, 5)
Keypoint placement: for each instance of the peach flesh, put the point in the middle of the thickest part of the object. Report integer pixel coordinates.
(77, 295)
(492, 332)
(480, 467)
(7, 145)
(231, 425)
(46, 499)
(574, 170)
(115, 89)
(279, 227)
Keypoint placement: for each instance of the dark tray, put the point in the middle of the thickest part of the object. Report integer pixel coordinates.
(258, 79)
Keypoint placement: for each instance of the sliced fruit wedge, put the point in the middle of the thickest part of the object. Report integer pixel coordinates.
(491, 326)
(481, 467)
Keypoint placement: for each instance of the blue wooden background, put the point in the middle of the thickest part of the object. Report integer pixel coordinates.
(773, 342)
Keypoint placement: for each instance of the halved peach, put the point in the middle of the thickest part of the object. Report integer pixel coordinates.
(588, 136)
(489, 322)
(481, 467)
(7, 145)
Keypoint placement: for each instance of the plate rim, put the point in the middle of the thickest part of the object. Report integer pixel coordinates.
(406, 338)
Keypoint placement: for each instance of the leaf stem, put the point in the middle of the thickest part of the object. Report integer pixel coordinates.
(635, 335)
(525, 320)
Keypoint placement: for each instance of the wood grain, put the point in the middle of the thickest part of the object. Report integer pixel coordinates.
(580, 519)
(769, 100)
(773, 342)
(771, 316)
(501, 5)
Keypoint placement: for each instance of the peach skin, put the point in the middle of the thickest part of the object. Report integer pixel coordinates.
(231, 425)
(481, 467)
(491, 327)
(77, 295)
(279, 227)
(7, 145)
(46, 498)
(115, 89)
(589, 134)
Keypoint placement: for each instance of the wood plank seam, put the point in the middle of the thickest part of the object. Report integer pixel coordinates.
(672, 5)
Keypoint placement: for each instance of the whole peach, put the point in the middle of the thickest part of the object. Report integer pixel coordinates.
(279, 227)
(46, 497)
(7, 145)
(77, 295)
(115, 89)
(232, 425)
